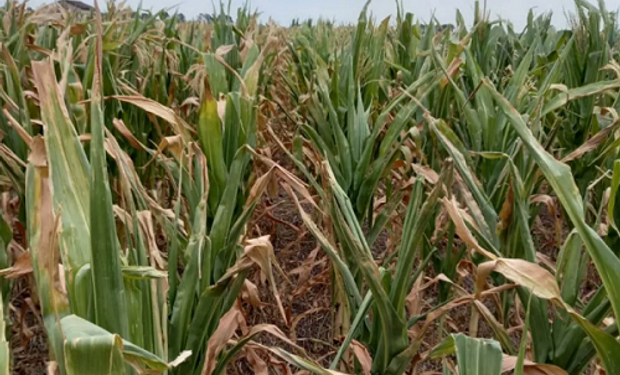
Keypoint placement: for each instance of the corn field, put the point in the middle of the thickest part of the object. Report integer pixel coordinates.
(231, 196)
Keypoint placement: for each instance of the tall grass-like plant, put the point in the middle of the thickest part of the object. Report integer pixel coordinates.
(131, 141)
(125, 305)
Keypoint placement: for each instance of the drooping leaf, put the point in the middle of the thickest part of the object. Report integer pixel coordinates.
(91, 349)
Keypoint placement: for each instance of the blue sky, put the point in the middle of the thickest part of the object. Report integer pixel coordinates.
(283, 11)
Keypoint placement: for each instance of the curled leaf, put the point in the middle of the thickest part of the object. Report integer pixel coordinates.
(531, 368)
(522, 272)
(21, 267)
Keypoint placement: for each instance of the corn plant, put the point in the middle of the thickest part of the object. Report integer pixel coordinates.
(386, 334)
(504, 175)
(130, 140)
(108, 303)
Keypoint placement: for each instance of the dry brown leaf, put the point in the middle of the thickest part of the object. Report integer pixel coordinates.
(530, 275)
(546, 261)
(85, 137)
(289, 178)
(553, 211)
(274, 331)
(452, 70)
(249, 293)
(192, 100)
(454, 212)
(320, 280)
(52, 368)
(473, 209)
(441, 277)
(505, 215)
(173, 143)
(123, 216)
(122, 128)
(590, 144)
(363, 356)
(305, 269)
(426, 172)
(488, 316)
(21, 267)
(23, 134)
(38, 156)
(145, 218)
(131, 181)
(45, 249)
(180, 359)
(260, 251)
(279, 364)
(258, 365)
(531, 368)
(225, 330)
(223, 50)
(413, 301)
(439, 312)
(441, 220)
(221, 109)
(259, 187)
(181, 127)
(77, 29)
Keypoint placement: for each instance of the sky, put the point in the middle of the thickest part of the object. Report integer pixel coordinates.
(347, 11)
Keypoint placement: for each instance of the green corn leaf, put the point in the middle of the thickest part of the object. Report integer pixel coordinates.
(223, 222)
(16, 91)
(108, 288)
(477, 356)
(559, 177)
(523, 345)
(474, 356)
(5, 238)
(252, 73)
(614, 197)
(392, 326)
(90, 349)
(571, 267)
(142, 273)
(565, 96)
(210, 135)
(537, 312)
(186, 294)
(418, 217)
(217, 75)
(5, 354)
